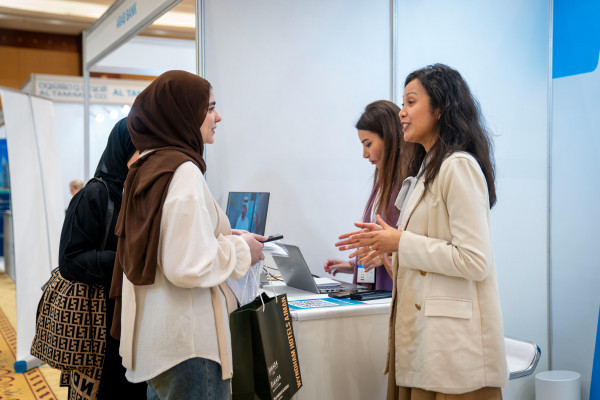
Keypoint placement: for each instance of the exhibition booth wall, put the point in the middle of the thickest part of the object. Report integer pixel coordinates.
(291, 83)
(501, 49)
(289, 115)
(575, 189)
(36, 205)
(290, 100)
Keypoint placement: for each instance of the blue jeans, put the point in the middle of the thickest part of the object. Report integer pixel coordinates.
(193, 379)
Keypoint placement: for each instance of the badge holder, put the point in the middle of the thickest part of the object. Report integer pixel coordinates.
(362, 276)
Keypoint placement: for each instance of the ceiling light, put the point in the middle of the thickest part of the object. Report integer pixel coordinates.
(173, 18)
(93, 11)
(62, 7)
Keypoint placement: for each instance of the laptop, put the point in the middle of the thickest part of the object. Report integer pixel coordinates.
(295, 273)
(248, 211)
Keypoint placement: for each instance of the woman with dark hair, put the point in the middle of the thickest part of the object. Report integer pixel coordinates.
(380, 133)
(84, 258)
(446, 334)
(176, 248)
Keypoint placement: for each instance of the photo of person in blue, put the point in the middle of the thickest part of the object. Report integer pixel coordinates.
(247, 211)
(243, 221)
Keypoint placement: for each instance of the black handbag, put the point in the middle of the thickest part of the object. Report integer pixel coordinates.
(265, 357)
(70, 331)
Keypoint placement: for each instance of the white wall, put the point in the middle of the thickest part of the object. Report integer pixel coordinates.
(143, 55)
(291, 79)
(35, 203)
(291, 82)
(69, 134)
(501, 49)
(575, 218)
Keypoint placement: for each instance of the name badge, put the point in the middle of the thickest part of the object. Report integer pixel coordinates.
(363, 276)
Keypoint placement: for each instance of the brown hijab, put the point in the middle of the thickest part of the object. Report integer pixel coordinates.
(165, 117)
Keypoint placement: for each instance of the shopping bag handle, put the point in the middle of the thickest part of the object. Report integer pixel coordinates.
(273, 289)
(253, 276)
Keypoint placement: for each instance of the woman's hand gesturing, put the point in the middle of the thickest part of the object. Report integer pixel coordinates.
(372, 241)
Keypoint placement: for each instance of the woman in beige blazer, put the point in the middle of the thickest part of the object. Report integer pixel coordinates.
(446, 339)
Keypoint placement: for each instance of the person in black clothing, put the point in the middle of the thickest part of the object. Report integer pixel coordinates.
(81, 257)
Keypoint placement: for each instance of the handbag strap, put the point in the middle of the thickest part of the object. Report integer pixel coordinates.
(109, 213)
(108, 220)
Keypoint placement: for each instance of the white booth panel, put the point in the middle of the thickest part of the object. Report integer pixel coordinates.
(291, 79)
(501, 49)
(43, 120)
(35, 203)
(575, 190)
(69, 133)
(144, 55)
(104, 120)
(575, 217)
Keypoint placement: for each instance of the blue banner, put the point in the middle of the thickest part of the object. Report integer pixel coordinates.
(576, 37)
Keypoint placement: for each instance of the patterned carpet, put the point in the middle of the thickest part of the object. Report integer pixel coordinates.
(37, 383)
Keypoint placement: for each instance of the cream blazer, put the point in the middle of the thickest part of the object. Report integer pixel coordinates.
(445, 315)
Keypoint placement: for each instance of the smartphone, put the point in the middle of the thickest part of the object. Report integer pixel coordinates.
(343, 295)
(371, 295)
(273, 237)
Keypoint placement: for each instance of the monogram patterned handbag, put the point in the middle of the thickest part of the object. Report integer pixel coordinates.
(70, 329)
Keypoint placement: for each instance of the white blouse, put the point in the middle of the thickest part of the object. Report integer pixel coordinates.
(174, 319)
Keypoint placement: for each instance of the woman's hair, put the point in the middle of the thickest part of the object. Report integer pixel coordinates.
(381, 117)
(461, 126)
(76, 184)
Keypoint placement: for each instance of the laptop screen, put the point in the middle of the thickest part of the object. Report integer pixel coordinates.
(294, 270)
(248, 211)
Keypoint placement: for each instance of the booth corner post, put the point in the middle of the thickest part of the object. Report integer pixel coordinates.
(200, 39)
(86, 115)
(394, 51)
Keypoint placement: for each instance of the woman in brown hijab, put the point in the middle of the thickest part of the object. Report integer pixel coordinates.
(176, 248)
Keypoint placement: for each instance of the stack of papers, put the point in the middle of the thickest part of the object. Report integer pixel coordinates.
(326, 282)
(274, 249)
